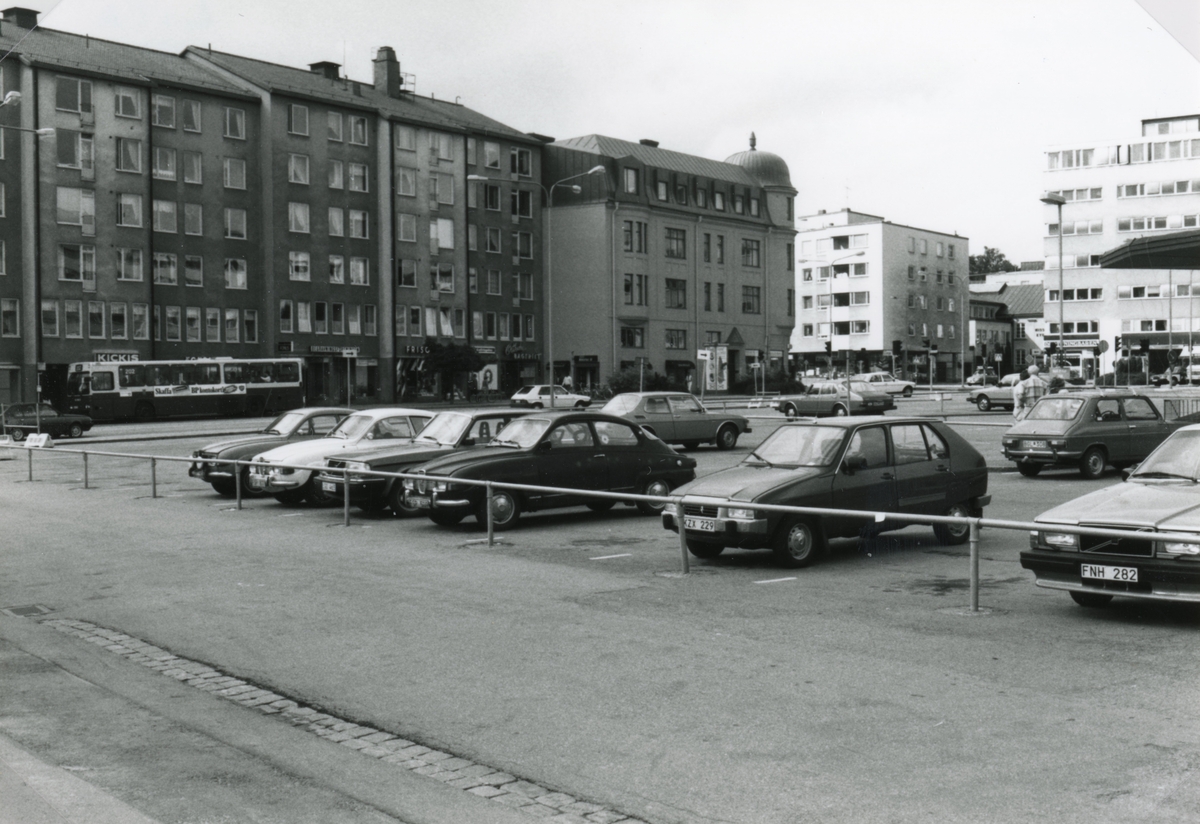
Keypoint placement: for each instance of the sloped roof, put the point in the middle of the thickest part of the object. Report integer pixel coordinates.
(661, 158)
(305, 83)
(1023, 298)
(1178, 250)
(82, 54)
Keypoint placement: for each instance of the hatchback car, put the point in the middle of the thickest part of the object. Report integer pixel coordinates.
(1086, 429)
(1161, 496)
(448, 431)
(23, 419)
(887, 382)
(538, 397)
(822, 398)
(294, 425)
(572, 450)
(383, 426)
(999, 396)
(677, 417)
(875, 464)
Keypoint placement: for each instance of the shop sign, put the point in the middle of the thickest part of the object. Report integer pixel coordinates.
(283, 346)
(344, 351)
(115, 357)
(587, 358)
(776, 354)
(416, 350)
(484, 350)
(516, 351)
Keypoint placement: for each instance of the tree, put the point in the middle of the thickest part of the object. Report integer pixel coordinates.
(992, 260)
(450, 359)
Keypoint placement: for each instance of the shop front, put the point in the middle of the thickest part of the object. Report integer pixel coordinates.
(411, 379)
(521, 367)
(487, 379)
(338, 375)
(586, 371)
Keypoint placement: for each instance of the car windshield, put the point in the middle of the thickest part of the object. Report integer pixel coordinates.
(621, 404)
(522, 433)
(1176, 457)
(446, 428)
(352, 427)
(1055, 409)
(860, 386)
(284, 424)
(801, 446)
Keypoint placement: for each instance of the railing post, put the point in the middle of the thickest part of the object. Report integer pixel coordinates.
(154, 477)
(345, 497)
(490, 528)
(85, 470)
(974, 565)
(683, 549)
(29, 455)
(237, 483)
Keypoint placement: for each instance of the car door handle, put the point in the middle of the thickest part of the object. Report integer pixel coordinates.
(887, 476)
(600, 455)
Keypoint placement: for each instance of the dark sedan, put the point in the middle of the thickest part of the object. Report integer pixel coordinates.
(447, 432)
(587, 451)
(677, 417)
(1161, 496)
(875, 464)
(22, 419)
(291, 426)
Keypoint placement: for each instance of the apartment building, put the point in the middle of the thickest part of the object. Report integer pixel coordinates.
(661, 254)
(875, 293)
(1142, 185)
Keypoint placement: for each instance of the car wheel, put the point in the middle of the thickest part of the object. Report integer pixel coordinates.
(76, 431)
(226, 489)
(907, 392)
(18, 434)
(984, 403)
(789, 410)
(580, 404)
(537, 406)
(655, 487)
(691, 444)
(506, 510)
(954, 534)
(727, 437)
(144, 411)
(1029, 470)
(290, 497)
(797, 544)
(600, 504)
(398, 506)
(1090, 599)
(1093, 462)
(701, 549)
(445, 518)
(840, 411)
(373, 505)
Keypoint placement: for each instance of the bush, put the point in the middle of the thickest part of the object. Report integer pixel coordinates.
(628, 379)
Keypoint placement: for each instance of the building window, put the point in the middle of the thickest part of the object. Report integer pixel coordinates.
(636, 290)
(707, 248)
(129, 155)
(129, 264)
(522, 245)
(128, 102)
(676, 294)
(49, 318)
(520, 162)
(320, 318)
(76, 207)
(406, 273)
(754, 207)
(493, 282)
(298, 169)
(702, 198)
(660, 190)
(791, 303)
(720, 297)
(299, 266)
(407, 229)
(10, 318)
(676, 338)
(681, 194)
(285, 316)
(359, 224)
(72, 95)
(231, 325)
(193, 271)
(163, 111)
(173, 323)
(524, 286)
(406, 138)
(212, 325)
(164, 163)
(337, 221)
(193, 167)
(235, 224)
(751, 253)
(250, 325)
(235, 123)
(491, 198)
(358, 130)
(303, 317)
(298, 218)
(358, 179)
(337, 269)
(166, 269)
(298, 119)
(491, 155)
(166, 216)
(720, 249)
(360, 271)
(235, 273)
(522, 203)
(441, 233)
(632, 337)
(96, 319)
(676, 244)
(193, 219)
(141, 328)
(191, 115)
(406, 181)
(235, 173)
(630, 177)
(751, 300)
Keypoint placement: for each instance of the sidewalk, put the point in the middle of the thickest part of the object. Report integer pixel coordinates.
(33, 792)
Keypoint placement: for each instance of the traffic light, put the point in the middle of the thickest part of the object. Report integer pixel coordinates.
(1144, 346)
(1052, 348)
(897, 346)
(829, 347)
(1117, 344)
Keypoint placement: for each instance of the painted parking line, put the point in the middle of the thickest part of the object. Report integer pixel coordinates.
(606, 557)
(775, 580)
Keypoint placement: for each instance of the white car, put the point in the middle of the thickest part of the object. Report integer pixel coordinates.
(887, 382)
(385, 426)
(538, 397)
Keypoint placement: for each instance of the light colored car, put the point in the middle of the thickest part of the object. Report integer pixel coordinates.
(384, 427)
(538, 397)
(829, 398)
(1161, 495)
(677, 417)
(887, 382)
(1000, 396)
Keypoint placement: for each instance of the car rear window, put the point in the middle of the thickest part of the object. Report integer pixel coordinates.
(621, 405)
(1055, 409)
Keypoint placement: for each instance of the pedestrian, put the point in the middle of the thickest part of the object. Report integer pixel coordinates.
(567, 383)
(1027, 392)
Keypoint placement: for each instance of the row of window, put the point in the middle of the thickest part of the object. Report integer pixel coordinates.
(634, 337)
(698, 194)
(321, 318)
(922, 245)
(1074, 261)
(847, 327)
(841, 299)
(1147, 152)
(300, 269)
(1078, 227)
(1082, 327)
(1160, 325)
(520, 161)
(298, 171)
(854, 270)
(1180, 290)
(836, 243)
(637, 293)
(298, 124)
(72, 94)
(1160, 223)
(922, 274)
(1071, 195)
(1169, 187)
(77, 263)
(77, 207)
(299, 221)
(1074, 294)
(114, 320)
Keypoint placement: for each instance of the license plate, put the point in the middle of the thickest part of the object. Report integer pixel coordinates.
(419, 501)
(257, 481)
(327, 486)
(1036, 444)
(1108, 573)
(700, 524)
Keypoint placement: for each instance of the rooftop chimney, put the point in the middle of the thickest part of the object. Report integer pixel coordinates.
(325, 68)
(387, 72)
(645, 141)
(25, 18)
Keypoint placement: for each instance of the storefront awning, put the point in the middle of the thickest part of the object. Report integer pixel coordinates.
(1178, 250)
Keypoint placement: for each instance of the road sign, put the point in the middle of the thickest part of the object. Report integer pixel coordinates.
(703, 354)
(999, 357)
(1103, 346)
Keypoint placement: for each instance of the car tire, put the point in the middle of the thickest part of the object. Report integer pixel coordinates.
(692, 444)
(600, 504)
(655, 487)
(290, 497)
(840, 411)
(226, 489)
(506, 510)
(797, 543)
(446, 518)
(144, 411)
(373, 505)
(76, 431)
(1029, 470)
(789, 410)
(396, 503)
(18, 434)
(907, 392)
(581, 404)
(727, 437)
(984, 403)
(1091, 600)
(954, 534)
(536, 406)
(703, 549)
(1093, 463)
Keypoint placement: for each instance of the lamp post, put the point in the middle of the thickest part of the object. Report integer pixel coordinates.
(1053, 199)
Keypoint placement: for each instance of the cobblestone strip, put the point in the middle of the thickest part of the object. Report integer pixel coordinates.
(480, 779)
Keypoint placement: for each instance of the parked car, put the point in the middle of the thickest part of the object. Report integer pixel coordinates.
(677, 417)
(293, 425)
(1087, 429)
(874, 464)
(383, 426)
(537, 397)
(1173, 376)
(983, 378)
(22, 419)
(568, 450)
(821, 398)
(1161, 495)
(448, 431)
(999, 396)
(887, 382)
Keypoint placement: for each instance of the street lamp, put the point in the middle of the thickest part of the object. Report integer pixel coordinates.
(1058, 200)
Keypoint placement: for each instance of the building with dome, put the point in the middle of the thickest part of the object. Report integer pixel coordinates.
(653, 255)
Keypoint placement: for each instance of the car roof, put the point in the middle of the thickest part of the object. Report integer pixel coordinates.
(858, 420)
(387, 411)
(658, 393)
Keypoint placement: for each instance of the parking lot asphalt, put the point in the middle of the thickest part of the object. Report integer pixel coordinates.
(575, 657)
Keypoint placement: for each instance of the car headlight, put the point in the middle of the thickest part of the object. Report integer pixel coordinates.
(356, 466)
(1061, 540)
(1010, 441)
(410, 484)
(1058, 444)
(1179, 549)
(739, 514)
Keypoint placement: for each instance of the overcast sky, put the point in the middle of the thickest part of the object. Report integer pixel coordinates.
(932, 113)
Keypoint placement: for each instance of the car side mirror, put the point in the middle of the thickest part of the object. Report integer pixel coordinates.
(468, 442)
(853, 463)
(1127, 471)
(544, 446)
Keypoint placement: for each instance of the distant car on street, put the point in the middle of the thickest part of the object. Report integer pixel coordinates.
(887, 382)
(294, 425)
(23, 419)
(830, 398)
(999, 396)
(677, 417)
(981, 378)
(538, 397)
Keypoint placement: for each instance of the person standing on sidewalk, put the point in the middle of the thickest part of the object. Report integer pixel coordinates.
(1027, 392)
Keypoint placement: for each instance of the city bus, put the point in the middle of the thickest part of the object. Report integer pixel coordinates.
(145, 390)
